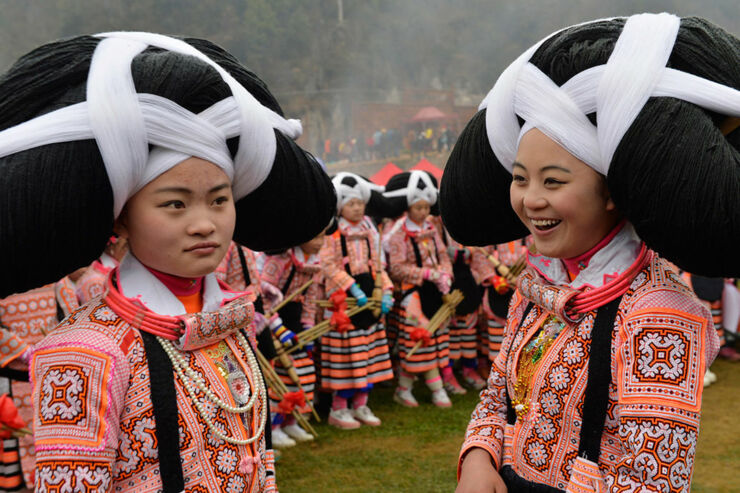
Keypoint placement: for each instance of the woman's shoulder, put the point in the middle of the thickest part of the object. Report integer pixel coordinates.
(94, 325)
(659, 287)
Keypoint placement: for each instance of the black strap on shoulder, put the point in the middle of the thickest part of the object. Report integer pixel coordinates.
(345, 252)
(417, 253)
(164, 402)
(245, 268)
(291, 274)
(596, 396)
(510, 414)
(248, 279)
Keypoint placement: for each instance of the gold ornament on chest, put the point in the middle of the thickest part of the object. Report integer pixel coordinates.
(530, 359)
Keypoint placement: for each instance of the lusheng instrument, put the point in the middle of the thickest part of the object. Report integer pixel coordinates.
(447, 310)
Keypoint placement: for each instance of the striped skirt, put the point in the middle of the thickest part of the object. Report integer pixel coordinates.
(435, 354)
(495, 336)
(11, 474)
(464, 336)
(495, 327)
(715, 308)
(306, 373)
(355, 359)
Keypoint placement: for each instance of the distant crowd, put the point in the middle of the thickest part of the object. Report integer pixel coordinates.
(389, 143)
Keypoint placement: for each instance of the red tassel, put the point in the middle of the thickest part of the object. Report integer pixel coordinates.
(9, 418)
(291, 401)
(339, 318)
(420, 334)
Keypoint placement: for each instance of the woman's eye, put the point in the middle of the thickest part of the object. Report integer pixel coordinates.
(518, 178)
(553, 181)
(221, 200)
(174, 204)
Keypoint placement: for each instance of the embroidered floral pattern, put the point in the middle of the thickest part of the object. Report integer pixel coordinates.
(73, 396)
(64, 393)
(663, 455)
(661, 355)
(666, 358)
(104, 315)
(205, 328)
(69, 475)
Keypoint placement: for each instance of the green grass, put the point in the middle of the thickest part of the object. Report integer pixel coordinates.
(415, 450)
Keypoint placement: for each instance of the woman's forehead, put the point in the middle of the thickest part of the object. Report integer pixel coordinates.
(539, 153)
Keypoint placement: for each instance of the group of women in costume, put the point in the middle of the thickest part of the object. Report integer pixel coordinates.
(613, 143)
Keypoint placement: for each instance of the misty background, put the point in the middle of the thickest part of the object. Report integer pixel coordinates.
(321, 57)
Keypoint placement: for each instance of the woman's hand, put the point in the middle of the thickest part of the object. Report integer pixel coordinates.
(359, 294)
(271, 294)
(478, 475)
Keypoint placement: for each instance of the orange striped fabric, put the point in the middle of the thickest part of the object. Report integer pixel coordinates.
(355, 359)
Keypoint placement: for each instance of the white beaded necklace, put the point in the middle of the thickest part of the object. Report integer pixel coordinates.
(188, 377)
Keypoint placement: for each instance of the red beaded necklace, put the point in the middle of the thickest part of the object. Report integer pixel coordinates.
(132, 312)
(591, 299)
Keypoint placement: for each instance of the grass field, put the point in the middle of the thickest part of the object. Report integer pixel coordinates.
(416, 449)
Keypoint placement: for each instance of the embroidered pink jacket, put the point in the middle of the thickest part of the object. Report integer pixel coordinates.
(230, 270)
(93, 411)
(662, 343)
(359, 260)
(276, 271)
(481, 267)
(402, 260)
(92, 283)
(507, 253)
(28, 317)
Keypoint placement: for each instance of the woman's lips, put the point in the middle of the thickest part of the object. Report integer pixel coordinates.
(543, 226)
(205, 248)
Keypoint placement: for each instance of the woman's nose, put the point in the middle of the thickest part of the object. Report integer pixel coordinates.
(203, 225)
(534, 198)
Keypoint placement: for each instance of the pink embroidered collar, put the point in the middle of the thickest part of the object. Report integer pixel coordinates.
(608, 274)
(188, 332)
(576, 264)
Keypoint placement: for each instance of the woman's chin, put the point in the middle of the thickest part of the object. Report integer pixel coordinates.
(549, 248)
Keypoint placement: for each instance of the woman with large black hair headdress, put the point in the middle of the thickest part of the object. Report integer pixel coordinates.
(153, 386)
(601, 132)
(422, 273)
(354, 360)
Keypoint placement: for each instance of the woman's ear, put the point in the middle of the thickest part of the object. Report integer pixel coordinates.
(120, 225)
(610, 206)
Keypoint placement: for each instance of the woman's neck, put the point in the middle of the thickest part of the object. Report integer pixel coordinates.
(180, 286)
(353, 223)
(418, 223)
(575, 265)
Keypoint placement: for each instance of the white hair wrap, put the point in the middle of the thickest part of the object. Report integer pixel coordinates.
(413, 193)
(616, 92)
(124, 123)
(362, 189)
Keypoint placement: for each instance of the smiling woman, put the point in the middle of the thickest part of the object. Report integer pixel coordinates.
(563, 202)
(153, 386)
(585, 141)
